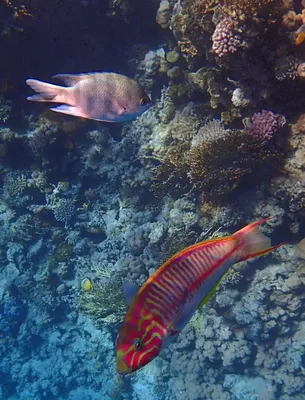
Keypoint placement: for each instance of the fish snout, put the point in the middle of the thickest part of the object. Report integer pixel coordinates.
(122, 367)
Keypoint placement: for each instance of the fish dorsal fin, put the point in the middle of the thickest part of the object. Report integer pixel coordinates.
(130, 290)
(70, 79)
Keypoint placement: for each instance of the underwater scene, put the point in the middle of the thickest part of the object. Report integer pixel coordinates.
(152, 200)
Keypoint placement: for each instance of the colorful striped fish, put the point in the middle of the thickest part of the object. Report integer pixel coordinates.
(165, 303)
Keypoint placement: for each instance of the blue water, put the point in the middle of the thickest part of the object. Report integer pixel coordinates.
(87, 205)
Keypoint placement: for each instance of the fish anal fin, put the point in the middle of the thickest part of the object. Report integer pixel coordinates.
(69, 110)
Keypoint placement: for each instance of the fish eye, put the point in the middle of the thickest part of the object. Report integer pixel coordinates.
(137, 343)
(144, 102)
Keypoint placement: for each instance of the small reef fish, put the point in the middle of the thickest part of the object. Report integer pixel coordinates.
(107, 97)
(165, 303)
(300, 35)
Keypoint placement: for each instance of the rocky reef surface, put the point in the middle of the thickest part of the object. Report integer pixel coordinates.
(85, 205)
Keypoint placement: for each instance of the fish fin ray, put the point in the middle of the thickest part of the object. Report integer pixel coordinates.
(202, 295)
(130, 290)
(210, 293)
(69, 110)
(46, 92)
(70, 79)
(261, 252)
(254, 242)
(183, 316)
(169, 338)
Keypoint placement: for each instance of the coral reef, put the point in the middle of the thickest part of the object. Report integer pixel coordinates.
(218, 160)
(226, 38)
(264, 126)
(85, 206)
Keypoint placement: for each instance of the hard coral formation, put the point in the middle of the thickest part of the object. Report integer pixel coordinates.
(286, 68)
(241, 9)
(218, 160)
(264, 126)
(171, 175)
(227, 37)
(248, 8)
(104, 303)
(76, 199)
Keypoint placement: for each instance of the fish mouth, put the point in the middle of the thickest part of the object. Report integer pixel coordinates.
(121, 367)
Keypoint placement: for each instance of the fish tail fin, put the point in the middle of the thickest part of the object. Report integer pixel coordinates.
(46, 92)
(254, 242)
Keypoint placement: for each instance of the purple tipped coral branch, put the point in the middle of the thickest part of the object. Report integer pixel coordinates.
(264, 126)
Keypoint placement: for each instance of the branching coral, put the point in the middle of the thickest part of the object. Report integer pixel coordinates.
(201, 6)
(104, 303)
(265, 125)
(227, 37)
(248, 8)
(14, 184)
(241, 8)
(39, 142)
(171, 174)
(176, 242)
(209, 132)
(64, 210)
(215, 165)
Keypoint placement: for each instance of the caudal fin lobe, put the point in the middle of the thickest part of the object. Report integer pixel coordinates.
(254, 242)
(46, 92)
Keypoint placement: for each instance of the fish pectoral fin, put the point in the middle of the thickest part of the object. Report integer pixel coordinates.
(70, 110)
(122, 111)
(70, 79)
(183, 315)
(209, 294)
(169, 338)
(190, 305)
(130, 290)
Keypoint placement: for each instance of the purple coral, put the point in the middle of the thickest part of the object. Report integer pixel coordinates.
(226, 38)
(264, 125)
